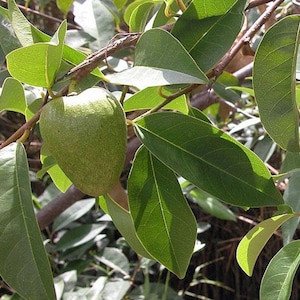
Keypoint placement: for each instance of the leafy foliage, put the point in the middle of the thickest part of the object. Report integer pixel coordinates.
(213, 158)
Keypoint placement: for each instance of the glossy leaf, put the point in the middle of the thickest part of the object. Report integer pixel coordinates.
(159, 49)
(38, 64)
(208, 158)
(274, 82)
(253, 242)
(157, 65)
(279, 275)
(24, 263)
(144, 77)
(8, 40)
(64, 5)
(21, 26)
(140, 16)
(149, 98)
(133, 6)
(50, 166)
(12, 96)
(214, 24)
(28, 35)
(162, 218)
(123, 222)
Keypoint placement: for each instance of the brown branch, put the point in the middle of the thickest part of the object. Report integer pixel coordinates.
(246, 38)
(255, 3)
(54, 208)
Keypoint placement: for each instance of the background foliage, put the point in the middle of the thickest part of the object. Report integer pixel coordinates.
(216, 175)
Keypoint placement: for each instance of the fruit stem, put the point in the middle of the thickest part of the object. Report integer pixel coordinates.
(123, 95)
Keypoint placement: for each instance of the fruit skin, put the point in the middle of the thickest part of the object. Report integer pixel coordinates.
(86, 134)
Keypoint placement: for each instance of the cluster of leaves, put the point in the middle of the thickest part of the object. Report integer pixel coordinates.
(179, 49)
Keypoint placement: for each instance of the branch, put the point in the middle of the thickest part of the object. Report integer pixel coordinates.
(246, 38)
(27, 126)
(54, 208)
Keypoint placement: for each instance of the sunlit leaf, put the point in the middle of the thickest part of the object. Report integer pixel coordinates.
(139, 16)
(8, 40)
(29, 34)
(149, 98)
(274, 82)
(253, 242)
(208, 158)
(12, 96)
(38, 64)
(144, 77)
(159, 49)
(50, 166)
(214, 26)
(64, 5)
(162, 218)
(24, 263)
(279, 275)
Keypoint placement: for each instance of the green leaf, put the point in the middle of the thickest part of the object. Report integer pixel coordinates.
(123, 222)
(160, 60)
(38, 64)
(133, 6)
(208, 158)
(24, 263)
(279, 275)
(159, 49)
(20, 24)
(207, 29)
(211, 205)
(64, 5)
(162, 218)
(79, 235)
(60, 179)
(144, 77)
(149, 98)
(253, 242)
(274, 82)
(140, 16)
(198, 114)
(28, 35)
(221, 87)
(12, 96)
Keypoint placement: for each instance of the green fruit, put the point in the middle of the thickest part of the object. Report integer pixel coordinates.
(86, 134)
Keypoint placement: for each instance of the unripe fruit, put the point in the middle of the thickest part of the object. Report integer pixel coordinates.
(86, 134)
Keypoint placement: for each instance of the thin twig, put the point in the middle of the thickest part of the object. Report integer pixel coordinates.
(27, 126)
